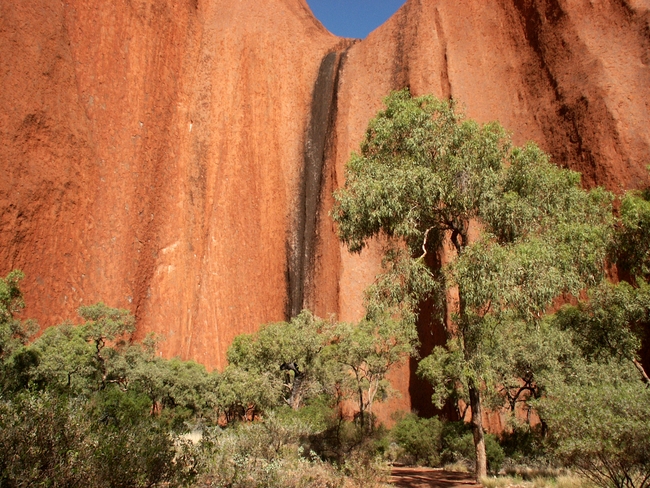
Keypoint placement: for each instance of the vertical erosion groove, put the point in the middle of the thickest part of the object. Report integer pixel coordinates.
(400, 72)
(445, 83)
(304, 234)
(546, 25)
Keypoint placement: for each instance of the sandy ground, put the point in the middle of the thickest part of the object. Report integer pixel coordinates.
(407, 477)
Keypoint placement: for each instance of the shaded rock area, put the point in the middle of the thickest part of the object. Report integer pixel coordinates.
(177, 157)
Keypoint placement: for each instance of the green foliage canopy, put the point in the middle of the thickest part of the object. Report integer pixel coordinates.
(599, 422)
(288, 355)
(631, 250)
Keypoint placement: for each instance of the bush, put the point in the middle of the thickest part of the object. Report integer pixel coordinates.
(43, 442)
(432, 442)
(524, 444)
(333, 438)
(50, 440)
(603, 429)
(458, 445)
(271, 453)
(133, 448)
(420, 439)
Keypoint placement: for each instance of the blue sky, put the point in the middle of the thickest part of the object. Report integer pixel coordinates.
(353, 18)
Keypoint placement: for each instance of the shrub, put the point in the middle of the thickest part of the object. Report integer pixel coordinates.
(458, 445)
(54, 441)
(524, 444)
(133, 448)
(421, 439)
(603, 429)
(43, 442)
(271, 453)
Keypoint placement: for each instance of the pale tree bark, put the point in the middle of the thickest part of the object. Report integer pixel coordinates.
(639, 367)
(471, 343)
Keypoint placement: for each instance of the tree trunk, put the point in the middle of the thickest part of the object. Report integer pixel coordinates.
(362, 416)
(295, 400)
(471, 342)
(477, 430)
(639, 366)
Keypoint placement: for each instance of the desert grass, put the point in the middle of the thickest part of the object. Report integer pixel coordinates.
(566, 480)
(458, 467)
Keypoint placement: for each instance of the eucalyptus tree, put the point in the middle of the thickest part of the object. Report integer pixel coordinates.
(522, 231)
(383, 338)
(368, 350)
(80, 359)
(631, 250)
(288, 355)
(599, 412)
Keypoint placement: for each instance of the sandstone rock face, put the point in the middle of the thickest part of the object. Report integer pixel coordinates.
(152, 158)
(177, 157)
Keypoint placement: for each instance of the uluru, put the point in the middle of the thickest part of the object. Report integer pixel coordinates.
(177, 157)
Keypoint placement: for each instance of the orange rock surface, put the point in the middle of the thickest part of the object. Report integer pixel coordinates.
(151, 157)
(177, 157)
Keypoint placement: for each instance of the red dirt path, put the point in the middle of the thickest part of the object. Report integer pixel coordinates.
(420, 477)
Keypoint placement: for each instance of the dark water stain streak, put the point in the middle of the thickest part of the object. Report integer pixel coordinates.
(301, 248)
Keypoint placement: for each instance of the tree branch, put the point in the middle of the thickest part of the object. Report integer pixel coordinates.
(639, 366)
(454, 240)
(424, 244)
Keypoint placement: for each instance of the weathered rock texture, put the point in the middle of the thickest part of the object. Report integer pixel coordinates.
(177, 157)
(152, 158)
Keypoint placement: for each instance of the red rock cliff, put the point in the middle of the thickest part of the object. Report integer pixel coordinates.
(177, 157)
(152, 158)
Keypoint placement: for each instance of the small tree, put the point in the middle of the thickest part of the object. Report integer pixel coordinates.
(611, 324)
(523, 230)
(79, 359)
(106, 325)
(599, 424)
(368, 350)
(289, 352)
(240, 394)
(527, 360)
(66, 361)
(301, 359)
(385, 337)
(599, 413)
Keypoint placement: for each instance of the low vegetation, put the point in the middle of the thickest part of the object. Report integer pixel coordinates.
(86, 405)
